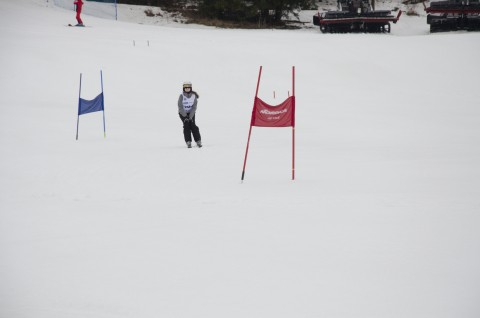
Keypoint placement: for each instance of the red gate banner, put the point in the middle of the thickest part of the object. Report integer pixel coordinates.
(265, 115)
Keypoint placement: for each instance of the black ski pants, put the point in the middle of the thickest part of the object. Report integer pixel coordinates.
(189, 128)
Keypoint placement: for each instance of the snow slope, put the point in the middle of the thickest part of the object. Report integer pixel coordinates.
(381, 221)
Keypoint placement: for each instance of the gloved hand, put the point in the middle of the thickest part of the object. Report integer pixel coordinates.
(186, 120)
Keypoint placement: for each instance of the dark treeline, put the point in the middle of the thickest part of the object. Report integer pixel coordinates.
(263, 12)
(154, 3)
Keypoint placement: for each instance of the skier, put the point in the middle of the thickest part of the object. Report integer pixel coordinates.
(187, 106)
(78, 4)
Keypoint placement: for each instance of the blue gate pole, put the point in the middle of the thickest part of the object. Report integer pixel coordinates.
(79, 94)
(103, 104)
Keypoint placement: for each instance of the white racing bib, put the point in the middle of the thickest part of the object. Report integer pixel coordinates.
(188, 102)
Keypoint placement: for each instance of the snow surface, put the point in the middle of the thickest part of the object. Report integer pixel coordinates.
(382, 219)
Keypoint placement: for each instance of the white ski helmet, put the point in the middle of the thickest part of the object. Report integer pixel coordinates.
(187, 85)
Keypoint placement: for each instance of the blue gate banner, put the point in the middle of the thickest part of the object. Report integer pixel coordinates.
(90, 106)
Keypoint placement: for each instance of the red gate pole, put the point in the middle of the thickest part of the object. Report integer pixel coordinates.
(293, 126)
(258, 82)
(250, 131)
(246, 153)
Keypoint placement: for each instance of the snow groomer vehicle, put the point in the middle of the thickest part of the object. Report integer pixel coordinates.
(355, 16)
(453, 15)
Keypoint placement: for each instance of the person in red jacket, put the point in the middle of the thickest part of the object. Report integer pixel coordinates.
(79, 4)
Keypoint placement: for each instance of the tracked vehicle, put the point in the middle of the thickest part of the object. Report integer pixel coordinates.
(453, 15)
(355, 16)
